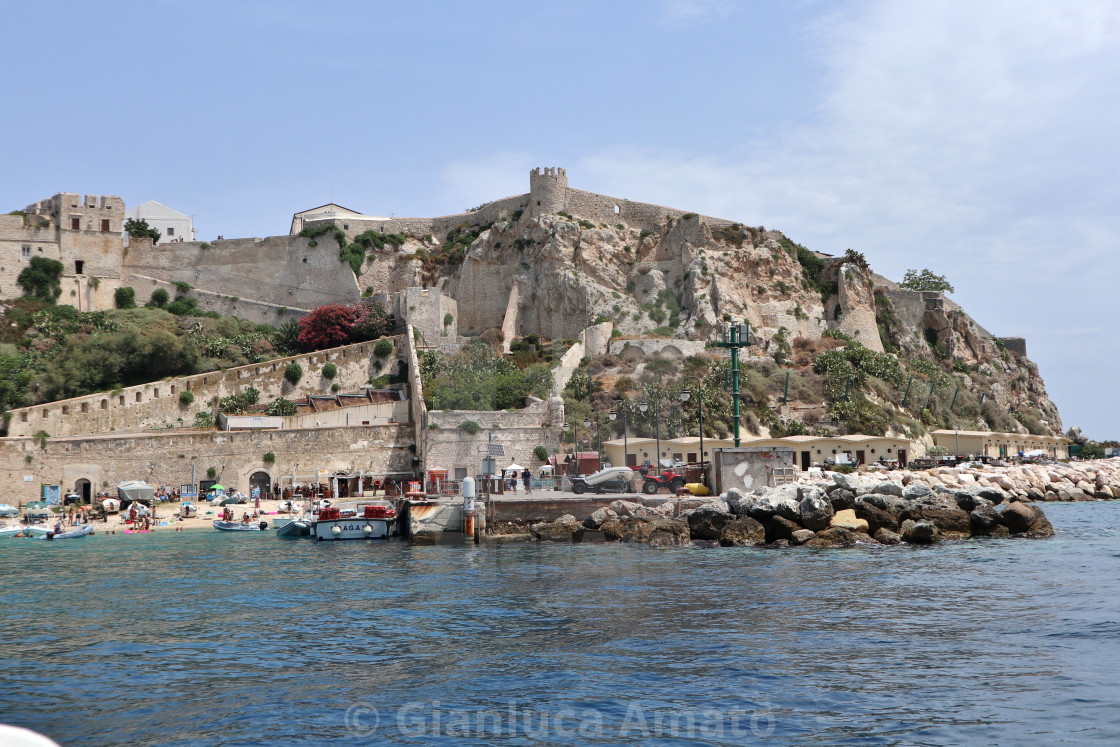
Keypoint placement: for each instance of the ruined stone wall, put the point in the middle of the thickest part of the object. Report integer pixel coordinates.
(646, 347)
(242, 308)
(420, 228)
(166, 458)
(157, 405)
(281, 270)
(602, 209)
(425, 309)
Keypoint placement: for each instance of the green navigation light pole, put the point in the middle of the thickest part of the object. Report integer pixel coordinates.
(735, 336)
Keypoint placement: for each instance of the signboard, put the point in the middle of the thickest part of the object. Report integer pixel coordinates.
(29, 478)
(51, 494)
(188, 491)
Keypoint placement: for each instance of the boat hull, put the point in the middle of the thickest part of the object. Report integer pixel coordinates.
(83, 531)
(295, 529)
(236, 526)
(353, 528)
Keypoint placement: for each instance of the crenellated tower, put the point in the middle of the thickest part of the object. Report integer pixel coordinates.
(548, 190)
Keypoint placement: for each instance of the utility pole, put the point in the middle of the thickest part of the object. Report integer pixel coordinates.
(735, 336)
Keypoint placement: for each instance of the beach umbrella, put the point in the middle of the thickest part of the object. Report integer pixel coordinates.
(217, 487)
(514, 468)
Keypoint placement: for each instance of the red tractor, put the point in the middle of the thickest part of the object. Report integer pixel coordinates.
(668, 478)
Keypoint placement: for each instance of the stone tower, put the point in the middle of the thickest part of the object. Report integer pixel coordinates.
(548, 190)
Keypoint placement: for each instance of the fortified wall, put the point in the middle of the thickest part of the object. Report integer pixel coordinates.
(168, 458)
(157, 405)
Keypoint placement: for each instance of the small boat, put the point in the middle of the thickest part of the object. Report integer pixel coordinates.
(187, 510)
(288, 507)
(372, 520)
(111, 505)
(9, 532)
(36, 530)
(83, 531)
(295, 529)
(237, 526)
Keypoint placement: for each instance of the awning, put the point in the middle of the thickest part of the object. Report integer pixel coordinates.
(135, 490)
(515, 467)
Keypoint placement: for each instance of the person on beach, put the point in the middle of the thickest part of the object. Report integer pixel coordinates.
(526, 477)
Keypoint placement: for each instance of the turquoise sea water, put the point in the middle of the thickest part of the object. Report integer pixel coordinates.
(212, 638)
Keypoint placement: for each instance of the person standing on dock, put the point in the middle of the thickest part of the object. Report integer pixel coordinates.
(526, 477)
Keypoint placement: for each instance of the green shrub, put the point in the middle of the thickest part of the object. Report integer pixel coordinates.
(203, 419)
(125, 297)
(236, 404)
(186, 397)
(211, 473)
(159, 298)
(280, 407)
(469, 426)
(383, 348)
(42, 279)
(269, 458)
(330, 371)
(541, 453)
(293, 373)
(182, 288)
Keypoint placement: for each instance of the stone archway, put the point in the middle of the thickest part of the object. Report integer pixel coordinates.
(263, 480)
(84, 490)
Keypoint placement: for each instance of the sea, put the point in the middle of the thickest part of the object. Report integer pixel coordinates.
(210, 638)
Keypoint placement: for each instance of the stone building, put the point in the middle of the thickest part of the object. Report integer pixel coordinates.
(171, 224)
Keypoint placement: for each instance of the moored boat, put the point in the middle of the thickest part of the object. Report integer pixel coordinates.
(8, 532)
(237, 526)
(83, 531)
(294, 529)
(372, 520)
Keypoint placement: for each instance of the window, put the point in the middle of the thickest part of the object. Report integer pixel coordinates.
(75, 224)
(138, 396)
(66, 409)
(171, 230)
(616, 210)
(104, 224)
(692, 457)
(460, 473)
(155, 393)
(104, 404)
(45, 411)
(79, 267)
(25, 252)
(121, 400)
(23, 417)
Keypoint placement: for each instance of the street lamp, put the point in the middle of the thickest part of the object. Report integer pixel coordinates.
(735, 336)
(685, 394)
(644, 406)
(625, 444)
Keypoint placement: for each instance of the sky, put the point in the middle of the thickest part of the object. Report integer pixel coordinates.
(975, 139)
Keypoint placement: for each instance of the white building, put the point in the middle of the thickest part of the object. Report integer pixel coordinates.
(171, 224)
(323, 212)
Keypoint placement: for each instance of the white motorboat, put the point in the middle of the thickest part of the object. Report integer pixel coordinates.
(371, 520)
(111, 505)
(9, 532)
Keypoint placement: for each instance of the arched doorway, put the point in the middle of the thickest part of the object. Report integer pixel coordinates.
(84, 490)
(260, 480)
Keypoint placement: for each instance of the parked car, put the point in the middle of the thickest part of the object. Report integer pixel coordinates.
(610, 480)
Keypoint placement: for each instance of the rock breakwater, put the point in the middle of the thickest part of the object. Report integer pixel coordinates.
(829, 509)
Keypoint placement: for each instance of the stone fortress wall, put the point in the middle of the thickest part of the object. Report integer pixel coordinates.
(156, 405)
(260, 312)
(167, 458)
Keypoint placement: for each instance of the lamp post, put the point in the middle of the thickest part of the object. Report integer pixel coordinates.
(685, 394)
(565, 428)
(625, 444)
(598, 428)
(735, 336)
(644, 406)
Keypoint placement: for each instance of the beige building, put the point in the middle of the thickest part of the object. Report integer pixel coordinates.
(83, 233)
(991, 444)
(328, 212)
(807, 450)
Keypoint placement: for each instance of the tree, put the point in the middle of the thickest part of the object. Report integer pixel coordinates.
(139, 229)
(42, 279)
(125, 297)
(159, 298)
(326, 327)
(1092, 451)
(370, 321)
(925, 280)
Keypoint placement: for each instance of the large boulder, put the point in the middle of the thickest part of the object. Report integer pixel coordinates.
(801, 536)
(919, 532)
(816, 511)
(875, 517)
(781, 501)
(707, 522)
(739, 502)
(952, 522)
(841, 498)
(892, 504)
(984, 521)
(833, 537)
(887, 537)
(646, 529)
(915, 490)
(627, 508)
(847, 519)
(887, 488)
(564, 529)
(598, 517)
(848, 482)
(1023, 518)
(780, 528)
(742, 531)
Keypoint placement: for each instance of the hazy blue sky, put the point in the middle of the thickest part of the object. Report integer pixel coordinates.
(975, 138)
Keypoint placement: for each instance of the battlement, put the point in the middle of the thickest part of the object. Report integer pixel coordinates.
(548, 190)
(549, 171)
(75, 212)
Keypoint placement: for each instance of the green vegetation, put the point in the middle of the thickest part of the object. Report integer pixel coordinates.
(203, 419)
(383, 348)
(186, 398)
(476, 378)
(139, 229)
(280, 407)
(238, 404)
(269, 458)
(42, 279)
(211, 473)
(1092, 451)
(125, 297)
(925, 280)
(469, 426)
(181, 287)
(541, 453)
(330, 370)
(159, 298)
(293, 372)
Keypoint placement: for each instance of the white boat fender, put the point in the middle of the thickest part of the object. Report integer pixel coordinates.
(336, 530)
(367, 530)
